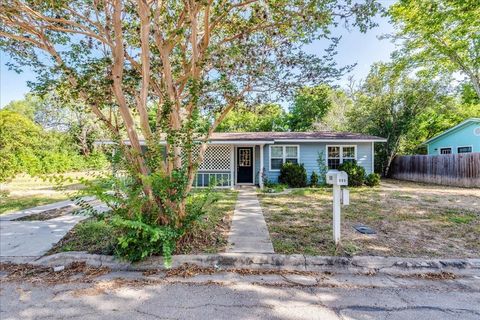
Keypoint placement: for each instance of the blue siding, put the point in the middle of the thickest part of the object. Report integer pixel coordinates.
(463, 136)
(309, 155)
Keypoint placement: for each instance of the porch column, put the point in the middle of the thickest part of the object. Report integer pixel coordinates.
(232, 166)
(260, 172)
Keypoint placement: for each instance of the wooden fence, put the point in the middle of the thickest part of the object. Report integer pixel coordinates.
(462, 170)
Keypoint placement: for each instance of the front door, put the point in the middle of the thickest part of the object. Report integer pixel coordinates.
(244, 165)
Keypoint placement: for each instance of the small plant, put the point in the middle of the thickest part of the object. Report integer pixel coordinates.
(314, 181)
(274, 188)
(294, 175)
(356, 173)
(372, 179)
(322, 168)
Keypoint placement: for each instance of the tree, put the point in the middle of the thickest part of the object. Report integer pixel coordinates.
(440, 35)
(19, 138)
(389, 104)
(264, 117)
(336, 118)
(310, 106)
(188, 60)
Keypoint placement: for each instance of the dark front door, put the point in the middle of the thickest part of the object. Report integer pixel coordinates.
(244, 165)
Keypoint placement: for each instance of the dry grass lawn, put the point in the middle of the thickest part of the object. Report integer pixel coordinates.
(25, 191)
(411, 220)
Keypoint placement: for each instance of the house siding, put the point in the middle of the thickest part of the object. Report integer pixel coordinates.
(309, 155)
(461, 137)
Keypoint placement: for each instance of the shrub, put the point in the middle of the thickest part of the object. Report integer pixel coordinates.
(356, 173)
(293, 174)
(372, 180)
(314, 180)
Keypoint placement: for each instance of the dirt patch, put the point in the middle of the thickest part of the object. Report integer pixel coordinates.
(410, 219)
(432, 276)
(48, 214)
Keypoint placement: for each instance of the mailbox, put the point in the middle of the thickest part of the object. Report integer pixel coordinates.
(335, 177)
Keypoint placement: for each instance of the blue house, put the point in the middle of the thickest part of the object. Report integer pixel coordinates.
(463, 138)
(243, 158)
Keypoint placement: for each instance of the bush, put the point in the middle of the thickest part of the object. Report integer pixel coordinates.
(356, 173)
(294, 175)
(314, 180)
(372, 180)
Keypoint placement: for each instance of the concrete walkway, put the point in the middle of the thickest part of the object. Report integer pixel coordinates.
(249, 233)
(32, 239)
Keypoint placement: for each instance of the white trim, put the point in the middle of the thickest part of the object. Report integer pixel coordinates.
(471, 148)
(232, 168)
(284, 154)
(440, 149)
(260, 171)
(253, 165)
(373, 157)
(341, 151)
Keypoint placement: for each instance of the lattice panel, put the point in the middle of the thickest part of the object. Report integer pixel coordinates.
(216, 158)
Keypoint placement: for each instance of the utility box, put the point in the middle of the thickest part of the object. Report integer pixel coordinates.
(337, 178)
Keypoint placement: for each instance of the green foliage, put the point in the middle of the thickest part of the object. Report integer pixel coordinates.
(311, 104)
(322, 167)
(439, 36)
(314, 181)
(26, 148)
(294, 175)
(356, 173)
(264, 117)
(142, 234)
(372, 179)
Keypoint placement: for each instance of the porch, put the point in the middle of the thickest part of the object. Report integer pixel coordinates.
(229, 165)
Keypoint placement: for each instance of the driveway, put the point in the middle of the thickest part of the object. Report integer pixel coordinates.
(32, 239)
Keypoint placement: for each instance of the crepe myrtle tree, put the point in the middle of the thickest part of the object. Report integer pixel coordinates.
(182, 62)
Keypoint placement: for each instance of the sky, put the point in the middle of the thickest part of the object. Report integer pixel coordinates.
(355, 47)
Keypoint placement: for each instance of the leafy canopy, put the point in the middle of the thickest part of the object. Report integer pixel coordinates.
(440, 36)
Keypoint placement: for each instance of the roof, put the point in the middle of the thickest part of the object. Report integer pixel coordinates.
(461, 124)
(281, 136)
(271, 137)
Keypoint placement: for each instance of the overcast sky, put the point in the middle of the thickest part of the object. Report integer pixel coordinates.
(355, 47)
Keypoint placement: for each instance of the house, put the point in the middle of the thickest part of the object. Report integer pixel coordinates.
(463, 138)
(240, 158)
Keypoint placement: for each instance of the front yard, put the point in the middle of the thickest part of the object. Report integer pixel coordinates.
(411, 220)
(25, 191)
(208, 235)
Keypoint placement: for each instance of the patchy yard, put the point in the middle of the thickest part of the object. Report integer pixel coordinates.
(209, 234)
(410, 219)
(25, 191)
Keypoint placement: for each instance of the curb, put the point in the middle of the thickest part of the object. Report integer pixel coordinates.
(295, 262)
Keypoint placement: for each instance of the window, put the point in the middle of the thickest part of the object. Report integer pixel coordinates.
(282, 154)
(445, 150)
(464, 149)
(337, 155)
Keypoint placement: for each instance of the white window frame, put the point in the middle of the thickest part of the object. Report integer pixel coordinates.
(284, 154)
(470, 146)
(440, 150)
(341, 146)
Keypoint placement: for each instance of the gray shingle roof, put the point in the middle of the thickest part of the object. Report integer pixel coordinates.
(271, 136)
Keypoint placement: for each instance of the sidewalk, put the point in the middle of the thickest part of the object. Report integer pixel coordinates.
(249, 232)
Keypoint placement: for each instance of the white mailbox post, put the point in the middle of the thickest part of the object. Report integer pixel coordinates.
(337, 179)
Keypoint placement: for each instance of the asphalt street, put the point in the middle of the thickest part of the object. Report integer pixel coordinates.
(130, 295)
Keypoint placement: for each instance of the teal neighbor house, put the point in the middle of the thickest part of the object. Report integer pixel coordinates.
(463, 138)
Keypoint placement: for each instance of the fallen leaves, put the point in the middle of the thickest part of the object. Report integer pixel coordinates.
(75, 271)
